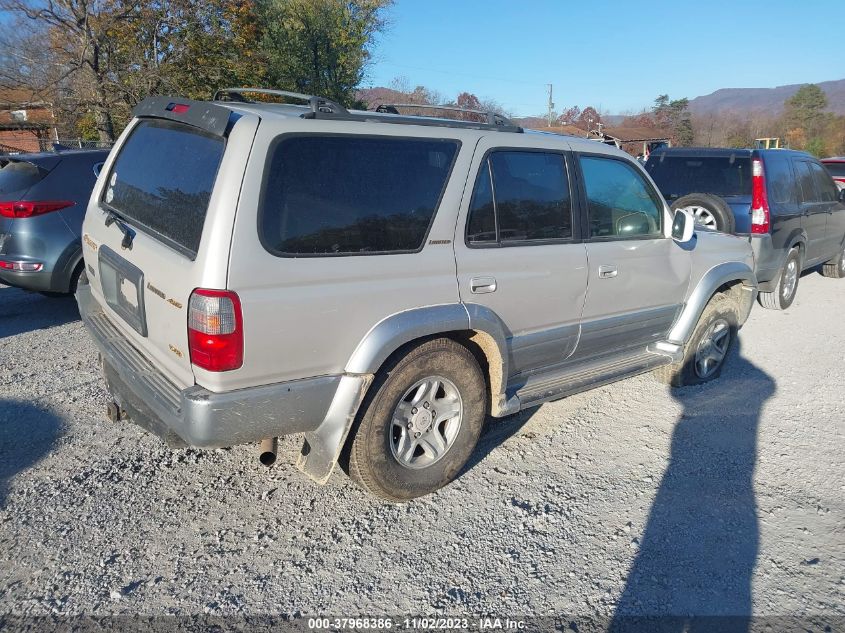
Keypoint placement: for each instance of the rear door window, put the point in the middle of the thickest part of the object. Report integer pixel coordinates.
(824, 183)
(806, 181)
(18, 176)
(520, 197)
(352, 195)
(162, 180)
(837, 170)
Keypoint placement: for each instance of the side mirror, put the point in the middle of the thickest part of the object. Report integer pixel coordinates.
(683, 226)
(842, 195)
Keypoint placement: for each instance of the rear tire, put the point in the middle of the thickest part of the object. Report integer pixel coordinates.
(708, 347)
(402, 448)
(835, 268)
(787, 285)
(709, 211)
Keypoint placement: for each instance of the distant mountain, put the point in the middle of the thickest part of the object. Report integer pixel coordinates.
(764, 100)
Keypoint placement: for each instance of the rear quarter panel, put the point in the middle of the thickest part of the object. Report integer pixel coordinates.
(305, 316)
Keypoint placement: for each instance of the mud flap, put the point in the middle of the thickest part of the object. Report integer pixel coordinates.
(322, 447)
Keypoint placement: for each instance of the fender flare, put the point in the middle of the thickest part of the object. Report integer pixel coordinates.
(322, 446)
(704, 290)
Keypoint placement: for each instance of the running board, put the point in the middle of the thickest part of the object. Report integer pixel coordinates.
(587, 375)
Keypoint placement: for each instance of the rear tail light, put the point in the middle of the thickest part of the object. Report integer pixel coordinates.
(27, 208)
(215, 330)
(759, 199)
(27, 267)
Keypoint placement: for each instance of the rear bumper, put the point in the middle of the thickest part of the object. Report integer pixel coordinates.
(195, 416)
(40, 281)
(767, 260)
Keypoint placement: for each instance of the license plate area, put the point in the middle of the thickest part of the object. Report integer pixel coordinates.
(123, 288)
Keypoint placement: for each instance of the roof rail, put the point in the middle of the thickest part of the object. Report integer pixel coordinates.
(318, 104)
(493, 119)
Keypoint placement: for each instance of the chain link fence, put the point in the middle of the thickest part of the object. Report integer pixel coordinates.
(78, 143)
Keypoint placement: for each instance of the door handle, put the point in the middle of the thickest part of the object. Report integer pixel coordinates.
(608, 272)
(482, 285)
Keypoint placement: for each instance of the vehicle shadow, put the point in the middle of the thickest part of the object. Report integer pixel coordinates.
(496, 432)
(22, 311)
(27, 434)
(694, 567)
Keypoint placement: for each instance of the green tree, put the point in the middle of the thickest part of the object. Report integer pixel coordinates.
(674, 116)
(806, 110)
(320, 46)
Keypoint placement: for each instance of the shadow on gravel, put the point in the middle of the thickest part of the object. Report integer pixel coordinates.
(496, 432)
(22, 311)
(700, 544)
(27, 433)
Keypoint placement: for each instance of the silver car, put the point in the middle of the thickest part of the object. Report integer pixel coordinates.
(380, 283)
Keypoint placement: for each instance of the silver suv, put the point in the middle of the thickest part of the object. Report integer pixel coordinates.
(380, 282)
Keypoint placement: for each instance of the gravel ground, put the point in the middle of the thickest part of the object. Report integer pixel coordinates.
(722, 499)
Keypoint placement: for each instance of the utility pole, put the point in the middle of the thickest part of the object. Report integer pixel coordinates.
(551, 104)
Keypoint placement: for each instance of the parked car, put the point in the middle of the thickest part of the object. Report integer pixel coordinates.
(42, 203)
(382, 282)
(783, 200)
(836, 167)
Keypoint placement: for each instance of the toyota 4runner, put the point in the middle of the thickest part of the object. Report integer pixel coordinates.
(381, 282)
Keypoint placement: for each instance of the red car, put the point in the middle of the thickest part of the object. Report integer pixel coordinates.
(836, 167)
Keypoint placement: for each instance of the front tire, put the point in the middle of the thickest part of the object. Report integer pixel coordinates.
(708, 347)
(421, 423)
(787, 285)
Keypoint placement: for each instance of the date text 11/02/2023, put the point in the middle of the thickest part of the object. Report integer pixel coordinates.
(416, 624)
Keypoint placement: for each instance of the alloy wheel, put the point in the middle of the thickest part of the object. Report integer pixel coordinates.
(426, 422)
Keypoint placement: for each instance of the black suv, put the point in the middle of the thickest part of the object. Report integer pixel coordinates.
(784, 200)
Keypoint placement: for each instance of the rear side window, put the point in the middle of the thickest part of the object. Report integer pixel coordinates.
(520, 197)
(352, 195)
(620, 202)
(18, 176)
(824, 183)
(837, 170)
(677, 176)
(162, 181)
(779, 178)
(806, 181)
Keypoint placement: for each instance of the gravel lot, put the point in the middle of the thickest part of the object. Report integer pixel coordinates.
(723, 499)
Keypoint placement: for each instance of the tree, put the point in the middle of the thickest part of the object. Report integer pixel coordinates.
(320, 46)
(569, 116)
(588, 119)
(674, 116)
(806, 109)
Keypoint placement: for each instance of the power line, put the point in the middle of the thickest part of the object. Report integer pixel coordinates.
(470, 75)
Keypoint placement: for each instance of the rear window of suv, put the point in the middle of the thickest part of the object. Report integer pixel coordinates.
(162, 181)
(352, 195)
(18, 176)
(677, 176)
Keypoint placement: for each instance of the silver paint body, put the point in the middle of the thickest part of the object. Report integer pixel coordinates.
(317, 329)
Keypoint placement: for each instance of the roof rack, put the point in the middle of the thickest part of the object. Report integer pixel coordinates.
(318, 104)
(494, 120)
(323, 108)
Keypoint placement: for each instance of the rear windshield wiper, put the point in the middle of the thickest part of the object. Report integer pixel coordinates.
(112, 217)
